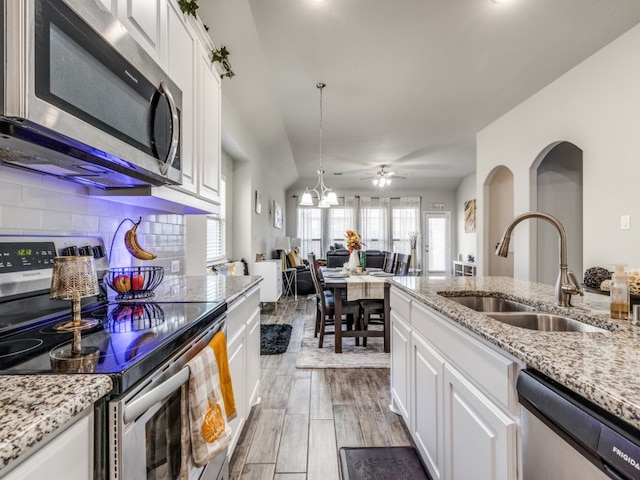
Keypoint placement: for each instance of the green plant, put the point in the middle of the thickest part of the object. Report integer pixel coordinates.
(188, 7)
(221, 55)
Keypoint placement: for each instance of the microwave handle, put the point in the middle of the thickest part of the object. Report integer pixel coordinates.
(175, 128)
(146, 401)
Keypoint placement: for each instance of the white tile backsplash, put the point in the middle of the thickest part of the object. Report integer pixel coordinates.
(31, 204)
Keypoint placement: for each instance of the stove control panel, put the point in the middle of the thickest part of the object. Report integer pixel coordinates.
(26, 262)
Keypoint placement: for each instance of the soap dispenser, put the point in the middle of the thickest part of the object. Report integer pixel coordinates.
(620, 293)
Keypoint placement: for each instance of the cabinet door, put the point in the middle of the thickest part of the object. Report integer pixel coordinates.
(400, 360)
(253, 358)
(480, 437)
(237, 364)
(143, 19)
(426, 403)
(209, 129)
(181, 55)
(68, 456)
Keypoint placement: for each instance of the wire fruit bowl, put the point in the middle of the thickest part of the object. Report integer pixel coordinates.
(134, 282)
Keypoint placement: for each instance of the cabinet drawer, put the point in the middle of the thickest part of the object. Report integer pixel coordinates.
(401, 303)
(492, 371)
(237, 314)
(253, 299)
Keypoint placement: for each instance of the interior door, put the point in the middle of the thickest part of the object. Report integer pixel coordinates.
(437, 232)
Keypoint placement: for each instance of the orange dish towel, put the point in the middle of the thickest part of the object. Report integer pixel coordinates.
(219, 345)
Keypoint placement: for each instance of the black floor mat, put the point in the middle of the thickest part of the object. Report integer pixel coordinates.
(381, 463)
(274, 338)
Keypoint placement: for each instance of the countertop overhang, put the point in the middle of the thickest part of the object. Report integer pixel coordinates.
(602, 367)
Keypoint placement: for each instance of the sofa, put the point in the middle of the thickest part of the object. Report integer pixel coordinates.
(304, 282)
(340, 256)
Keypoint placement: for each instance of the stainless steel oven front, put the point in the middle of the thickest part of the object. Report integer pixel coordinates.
(145, 424)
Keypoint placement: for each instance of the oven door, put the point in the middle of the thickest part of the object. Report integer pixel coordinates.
(145, 425)
(87, 79)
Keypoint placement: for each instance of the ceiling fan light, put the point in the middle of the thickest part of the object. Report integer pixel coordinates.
(306, 199)
(331, 198)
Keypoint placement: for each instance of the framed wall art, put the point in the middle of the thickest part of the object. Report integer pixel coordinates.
(258, 202)
(470, 216)
(277, 215)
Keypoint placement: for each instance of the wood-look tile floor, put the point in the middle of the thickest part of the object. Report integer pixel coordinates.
(305, 416)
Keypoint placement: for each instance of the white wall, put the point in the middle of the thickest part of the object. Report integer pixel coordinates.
(466, 242)
(596, 107)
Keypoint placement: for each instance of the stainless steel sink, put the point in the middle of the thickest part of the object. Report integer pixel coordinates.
(491, 304)
(546, 322)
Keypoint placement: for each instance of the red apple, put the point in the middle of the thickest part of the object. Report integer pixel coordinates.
(137, 282)
(122, 283)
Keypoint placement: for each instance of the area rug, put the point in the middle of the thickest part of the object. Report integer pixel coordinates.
(274, 338)
(352, 356)
(381, 463)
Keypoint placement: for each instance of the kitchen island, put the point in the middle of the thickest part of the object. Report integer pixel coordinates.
(454, 369)
(602, 367)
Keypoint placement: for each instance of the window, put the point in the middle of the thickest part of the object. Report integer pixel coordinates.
(383, 223)
(216, 225)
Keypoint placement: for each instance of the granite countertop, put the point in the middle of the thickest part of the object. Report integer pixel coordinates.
(602, 367)
(198, 288)
(33, 406)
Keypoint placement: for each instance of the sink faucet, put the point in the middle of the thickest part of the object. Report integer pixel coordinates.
(567, 283)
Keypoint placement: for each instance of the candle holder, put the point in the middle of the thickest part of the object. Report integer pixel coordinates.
(73, 278)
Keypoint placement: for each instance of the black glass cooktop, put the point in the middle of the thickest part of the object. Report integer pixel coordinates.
(128, 341)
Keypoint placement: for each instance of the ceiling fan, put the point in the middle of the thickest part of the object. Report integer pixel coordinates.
(383, 178)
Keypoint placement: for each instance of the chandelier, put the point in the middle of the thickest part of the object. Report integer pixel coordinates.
(326, 197)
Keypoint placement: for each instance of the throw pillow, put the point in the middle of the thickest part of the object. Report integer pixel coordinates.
(293, 260)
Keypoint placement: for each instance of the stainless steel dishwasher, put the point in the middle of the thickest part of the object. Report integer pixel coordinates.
(564, 436)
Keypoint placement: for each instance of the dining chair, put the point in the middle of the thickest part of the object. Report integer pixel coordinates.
(402, 264)
(389, 262)
(372, 314)
(325, 308)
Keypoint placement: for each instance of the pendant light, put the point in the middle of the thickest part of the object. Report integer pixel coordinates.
(326, 196)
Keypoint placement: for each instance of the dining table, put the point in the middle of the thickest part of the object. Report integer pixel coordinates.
(358, 286)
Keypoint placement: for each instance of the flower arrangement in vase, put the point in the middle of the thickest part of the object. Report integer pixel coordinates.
(354, 244)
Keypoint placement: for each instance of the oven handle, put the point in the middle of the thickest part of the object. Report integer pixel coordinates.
(146, 401)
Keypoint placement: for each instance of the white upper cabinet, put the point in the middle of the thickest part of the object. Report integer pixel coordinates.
(209, 129)
(144, 20)
(182, 46)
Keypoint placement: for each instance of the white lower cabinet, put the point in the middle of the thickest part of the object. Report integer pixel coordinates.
(427, 422)
(400, 334)
(481, 437)
(243, 349)
(69, 455)
(456, 394)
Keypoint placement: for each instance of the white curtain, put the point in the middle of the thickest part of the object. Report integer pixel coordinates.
(340, 219)
(310, 231)
(374, 223)
(405, 220)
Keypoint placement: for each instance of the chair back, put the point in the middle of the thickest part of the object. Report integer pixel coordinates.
(402, 264)
(315, 277)
(389, 262)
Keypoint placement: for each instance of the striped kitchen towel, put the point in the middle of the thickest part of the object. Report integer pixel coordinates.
(210, 431)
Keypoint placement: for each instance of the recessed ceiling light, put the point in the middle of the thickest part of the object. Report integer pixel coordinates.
(500, 1)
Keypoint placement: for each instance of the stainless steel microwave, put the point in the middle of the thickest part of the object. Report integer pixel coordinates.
(83, 101)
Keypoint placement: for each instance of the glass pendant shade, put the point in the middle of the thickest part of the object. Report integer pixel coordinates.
(332, 198)
(306, 199)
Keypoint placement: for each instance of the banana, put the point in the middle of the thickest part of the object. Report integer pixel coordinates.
(131, 242)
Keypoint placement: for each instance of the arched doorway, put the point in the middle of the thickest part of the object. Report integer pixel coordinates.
(558, 177)
(500, 195)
